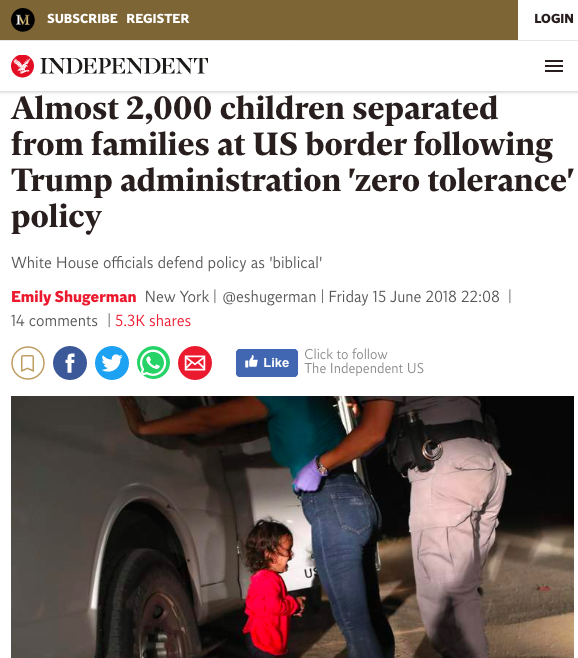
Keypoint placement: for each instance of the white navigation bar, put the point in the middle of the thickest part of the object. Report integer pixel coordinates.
(292, 66)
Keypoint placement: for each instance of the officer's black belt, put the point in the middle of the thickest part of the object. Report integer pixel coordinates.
(462, 430)
(341, 470)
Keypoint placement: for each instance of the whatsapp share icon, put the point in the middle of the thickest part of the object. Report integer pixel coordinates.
(153, 362)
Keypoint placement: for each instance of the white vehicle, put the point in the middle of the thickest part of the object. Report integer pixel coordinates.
(98, 514)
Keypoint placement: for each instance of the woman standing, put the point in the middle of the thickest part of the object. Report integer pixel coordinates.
(342, 515)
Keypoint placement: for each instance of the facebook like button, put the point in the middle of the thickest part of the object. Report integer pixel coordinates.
(267, 363)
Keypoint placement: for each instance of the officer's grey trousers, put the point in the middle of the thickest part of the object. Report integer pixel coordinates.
(453, 520)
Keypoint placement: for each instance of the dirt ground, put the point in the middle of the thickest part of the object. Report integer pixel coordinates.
(528, 594)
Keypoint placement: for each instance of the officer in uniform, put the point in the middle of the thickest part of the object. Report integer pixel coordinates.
(449, 453)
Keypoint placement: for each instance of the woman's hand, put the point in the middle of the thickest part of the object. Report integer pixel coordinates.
(201, 420)
(133, 414)
(308, 478)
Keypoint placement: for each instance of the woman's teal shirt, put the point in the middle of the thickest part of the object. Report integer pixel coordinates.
(301, 427)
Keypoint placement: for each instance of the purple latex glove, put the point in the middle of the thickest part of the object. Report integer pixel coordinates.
(308, 478)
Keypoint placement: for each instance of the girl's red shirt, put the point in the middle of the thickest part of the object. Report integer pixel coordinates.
(269, 608)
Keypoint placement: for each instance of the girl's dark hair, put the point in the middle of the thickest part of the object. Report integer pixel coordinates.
(264, 538)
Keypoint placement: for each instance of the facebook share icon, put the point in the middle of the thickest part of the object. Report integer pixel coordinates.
(69, 362)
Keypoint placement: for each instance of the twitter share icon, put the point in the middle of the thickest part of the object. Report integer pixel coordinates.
(111, 362)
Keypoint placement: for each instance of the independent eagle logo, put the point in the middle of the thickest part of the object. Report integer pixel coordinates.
(22, 68)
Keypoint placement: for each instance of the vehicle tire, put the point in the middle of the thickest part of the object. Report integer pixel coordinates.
(148, 611)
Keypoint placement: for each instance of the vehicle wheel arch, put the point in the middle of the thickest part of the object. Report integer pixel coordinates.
(141, 517)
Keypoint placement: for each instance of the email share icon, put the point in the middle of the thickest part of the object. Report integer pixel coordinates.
(195, 362)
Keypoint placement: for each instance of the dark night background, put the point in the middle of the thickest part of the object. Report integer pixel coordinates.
(537, 437)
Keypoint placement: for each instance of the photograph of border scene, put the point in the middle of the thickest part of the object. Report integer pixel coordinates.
(130, 518)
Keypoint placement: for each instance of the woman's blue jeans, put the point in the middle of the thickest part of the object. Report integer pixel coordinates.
(344, 522)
